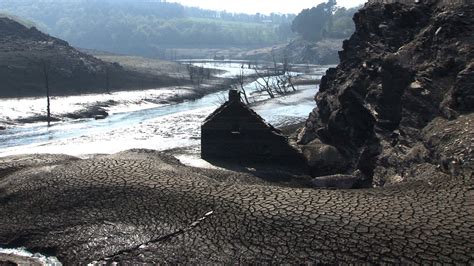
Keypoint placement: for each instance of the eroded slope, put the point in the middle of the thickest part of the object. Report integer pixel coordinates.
(406, 76)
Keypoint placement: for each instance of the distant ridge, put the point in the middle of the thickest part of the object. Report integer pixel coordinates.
(24, 49)
(24, 22)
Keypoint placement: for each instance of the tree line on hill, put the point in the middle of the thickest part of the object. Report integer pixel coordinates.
(326, 20)
(143, 27)
(139, 27)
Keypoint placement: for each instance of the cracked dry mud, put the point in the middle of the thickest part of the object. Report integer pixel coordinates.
(144, 206)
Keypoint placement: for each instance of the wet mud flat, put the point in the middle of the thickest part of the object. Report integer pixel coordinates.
(145, 206)
(159, 127)
(20, 256)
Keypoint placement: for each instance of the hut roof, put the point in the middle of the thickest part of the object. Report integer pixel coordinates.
(234, 99)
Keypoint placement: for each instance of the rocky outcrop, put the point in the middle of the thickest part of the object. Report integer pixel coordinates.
(323, 158)
(404, 85)
(27, 53)
(94, 111)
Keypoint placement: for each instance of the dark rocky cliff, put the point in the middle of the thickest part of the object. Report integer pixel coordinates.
(399, 105)
(23, 51)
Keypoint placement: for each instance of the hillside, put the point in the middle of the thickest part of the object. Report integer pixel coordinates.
(319, 31)
(297, 51)
(25, 54)
(149, 28)
(400, 105)
(172, 31)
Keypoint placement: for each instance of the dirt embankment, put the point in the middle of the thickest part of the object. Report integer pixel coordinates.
(400, 105)
(297, 51)
(26, 54)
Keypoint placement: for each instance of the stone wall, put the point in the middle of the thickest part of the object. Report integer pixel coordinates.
(235, 132)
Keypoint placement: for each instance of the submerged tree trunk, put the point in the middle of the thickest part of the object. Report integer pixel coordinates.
(46, 84)
(107, 80)
(290, 81)
(245, 94)
(241, 80)
(266, 87)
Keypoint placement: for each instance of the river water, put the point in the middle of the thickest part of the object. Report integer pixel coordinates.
(137, 122)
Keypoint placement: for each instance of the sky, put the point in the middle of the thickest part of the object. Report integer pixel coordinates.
(262, 6)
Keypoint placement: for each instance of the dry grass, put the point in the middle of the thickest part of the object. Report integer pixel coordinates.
(147, 65)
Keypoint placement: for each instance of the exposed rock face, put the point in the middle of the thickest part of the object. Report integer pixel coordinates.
(26, 52)
(322, 158)
(405, 76)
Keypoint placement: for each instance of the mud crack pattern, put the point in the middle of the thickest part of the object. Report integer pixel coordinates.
(144, 206)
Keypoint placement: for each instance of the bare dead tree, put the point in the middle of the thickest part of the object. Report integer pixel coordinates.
(282, 73)
(279, 85)
(45, 68)
(286, 75)
(288, 70)
(275, 64)
(190, 69)
(107, 80)
(265, 86)
(289, 78)
(240, 78)
(197, 73)
(221, 99)
(277, 79)
(286, 62)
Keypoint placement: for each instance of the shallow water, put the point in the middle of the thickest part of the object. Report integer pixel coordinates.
(24, 257)
(137, 123)
(17, 108)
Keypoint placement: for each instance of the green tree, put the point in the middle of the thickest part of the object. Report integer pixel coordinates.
(144, 27)
(313, 24)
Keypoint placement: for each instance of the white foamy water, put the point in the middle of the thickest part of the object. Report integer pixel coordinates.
(124, 101)
(230, 69)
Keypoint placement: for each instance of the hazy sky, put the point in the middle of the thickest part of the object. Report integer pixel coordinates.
(262, 6)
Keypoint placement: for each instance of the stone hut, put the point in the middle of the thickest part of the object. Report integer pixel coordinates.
(234, 132)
